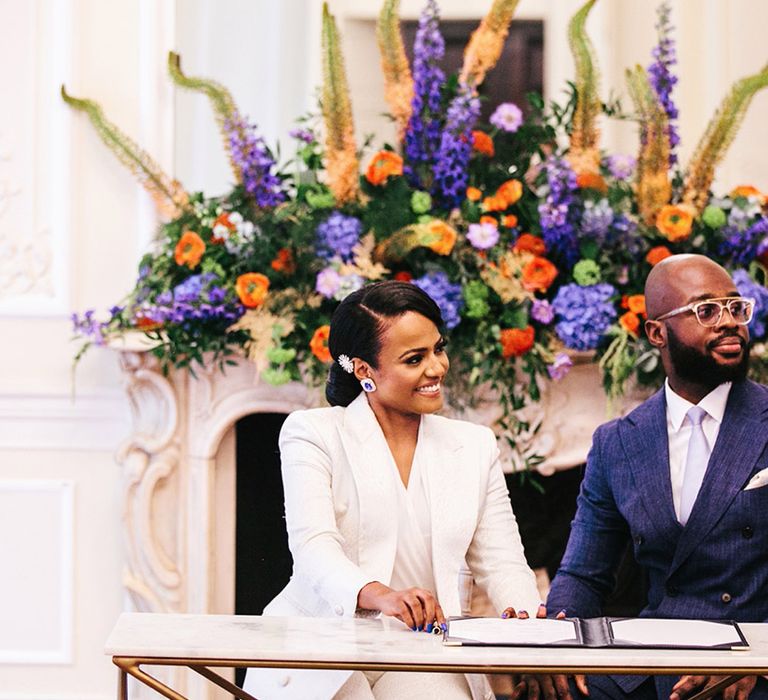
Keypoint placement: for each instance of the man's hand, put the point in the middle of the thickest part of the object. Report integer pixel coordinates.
(690, 685)
(416, 607)
(542, 686)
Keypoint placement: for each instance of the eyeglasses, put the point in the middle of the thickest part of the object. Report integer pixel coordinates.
(710, 311)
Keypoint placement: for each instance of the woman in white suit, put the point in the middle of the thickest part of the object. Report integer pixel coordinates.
(385, 502)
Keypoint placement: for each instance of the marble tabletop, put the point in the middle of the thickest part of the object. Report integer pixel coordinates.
(368, 643)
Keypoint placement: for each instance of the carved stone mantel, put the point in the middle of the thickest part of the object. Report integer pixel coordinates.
(179, 470)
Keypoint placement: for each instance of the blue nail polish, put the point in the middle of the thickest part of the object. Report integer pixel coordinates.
(414, 628)
(505, 615)
(429, 627)
(443, 627)
(562, 612)
(520, 613)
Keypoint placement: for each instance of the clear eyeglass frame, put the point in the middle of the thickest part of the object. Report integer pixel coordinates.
(709, 312)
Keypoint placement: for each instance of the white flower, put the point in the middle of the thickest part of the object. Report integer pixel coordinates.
(346, 364)
(507, 117)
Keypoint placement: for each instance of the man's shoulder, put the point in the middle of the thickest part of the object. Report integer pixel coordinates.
(638, 416)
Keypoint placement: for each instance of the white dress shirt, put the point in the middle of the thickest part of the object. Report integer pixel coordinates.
(679, 430)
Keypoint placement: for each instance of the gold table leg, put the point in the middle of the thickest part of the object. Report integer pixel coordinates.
(133, 667)
(222, 682)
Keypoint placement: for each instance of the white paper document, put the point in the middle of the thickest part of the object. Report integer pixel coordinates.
(674, 633)
(514, 632)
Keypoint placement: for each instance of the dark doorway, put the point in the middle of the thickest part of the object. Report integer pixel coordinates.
(263, 563)
(520, 69)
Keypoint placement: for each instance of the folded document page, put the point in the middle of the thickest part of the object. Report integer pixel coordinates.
(595, 632)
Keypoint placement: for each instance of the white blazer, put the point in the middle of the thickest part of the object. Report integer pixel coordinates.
(339, 499)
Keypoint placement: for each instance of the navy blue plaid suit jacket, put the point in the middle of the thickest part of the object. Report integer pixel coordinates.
(716, 567)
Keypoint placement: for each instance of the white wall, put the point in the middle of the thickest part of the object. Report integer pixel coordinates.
(73, 222)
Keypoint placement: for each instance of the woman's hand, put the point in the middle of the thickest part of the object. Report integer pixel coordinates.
(416, 607)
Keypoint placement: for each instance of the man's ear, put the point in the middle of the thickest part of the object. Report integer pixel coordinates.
(656, 332)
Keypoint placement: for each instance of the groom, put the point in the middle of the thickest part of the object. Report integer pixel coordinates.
(679, 477)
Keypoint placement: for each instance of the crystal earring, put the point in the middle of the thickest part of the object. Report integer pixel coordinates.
(368, 385)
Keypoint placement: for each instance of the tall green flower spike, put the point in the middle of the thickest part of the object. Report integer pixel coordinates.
(224, 108)
(718, 136)
(487, 42)
(168, 194)
(653, 186)
(584, 155)
(398, 82)
(340, 155)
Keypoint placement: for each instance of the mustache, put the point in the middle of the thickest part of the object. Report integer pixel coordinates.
(730, 335)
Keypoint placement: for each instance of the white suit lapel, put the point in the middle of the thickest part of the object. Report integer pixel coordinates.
(453, 505)
(370, 462)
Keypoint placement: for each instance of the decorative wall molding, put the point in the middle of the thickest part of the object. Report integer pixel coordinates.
(88, 423)
(34, 169)
(63, 587)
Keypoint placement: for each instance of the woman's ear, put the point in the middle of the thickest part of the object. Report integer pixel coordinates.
(362, 370)
(656, 332)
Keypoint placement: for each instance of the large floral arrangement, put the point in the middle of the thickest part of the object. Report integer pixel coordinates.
(533, 242)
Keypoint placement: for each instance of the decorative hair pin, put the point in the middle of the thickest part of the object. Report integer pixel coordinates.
(346, 364)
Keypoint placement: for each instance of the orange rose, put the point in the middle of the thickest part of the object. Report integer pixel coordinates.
(473, 194)
(747, 191)
(488, 220)
(510, 191)
(657, 254)
(145, 323)
(222, 222)
(403, 276)
(252, 289)
(516, 342)
(319, 344)
(509, 220)
(189, 250)
(636, 304)
(482, 143)
(445, 237)
(538, 275)
(674, 222)
(630, 322)
(284, 262)
(591, 181)
(530, 243)
(382, 165)
(494, 203)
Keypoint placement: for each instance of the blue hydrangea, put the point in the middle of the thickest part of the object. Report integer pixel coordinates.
(749, 288)
(337, 236)
(583, 314)
(446, 295)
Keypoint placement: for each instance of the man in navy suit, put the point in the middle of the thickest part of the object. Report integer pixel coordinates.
(702, 541)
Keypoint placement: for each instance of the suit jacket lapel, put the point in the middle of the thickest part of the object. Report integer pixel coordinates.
(740, 442)
(452, 492)
(370, 461)
(646, 445)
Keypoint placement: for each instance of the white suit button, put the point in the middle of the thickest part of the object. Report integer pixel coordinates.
(338, 610)
(284, 680)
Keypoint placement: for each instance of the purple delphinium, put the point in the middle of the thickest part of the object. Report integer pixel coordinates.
(583, 314)
(557, 212)
(749, 288)
(305, 135)
(661, 77)
(197, 298)
(87, 327)
(596, 220)
(422, 135)
(251, 156)
(507, 117)
(337, 236)
(451, 171)
(445, 294)
(560, 367)
(542, 311)
(742, 247)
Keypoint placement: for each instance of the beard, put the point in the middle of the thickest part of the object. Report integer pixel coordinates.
(697, 367)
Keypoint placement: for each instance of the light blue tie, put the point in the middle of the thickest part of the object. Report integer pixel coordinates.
(695, 463)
